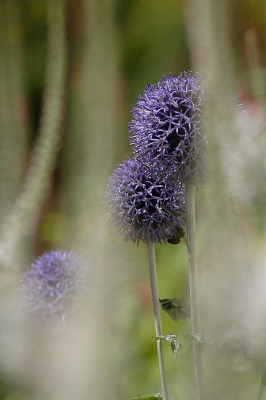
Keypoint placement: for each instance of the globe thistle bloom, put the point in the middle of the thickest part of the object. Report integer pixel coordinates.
(167, 124)
(53, 280)
(143, 206)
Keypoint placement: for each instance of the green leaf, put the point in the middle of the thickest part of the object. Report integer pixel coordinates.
(176, 308)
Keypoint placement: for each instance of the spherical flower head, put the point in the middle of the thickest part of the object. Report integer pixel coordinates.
(143, 206)
(53, 280)
(167, 126)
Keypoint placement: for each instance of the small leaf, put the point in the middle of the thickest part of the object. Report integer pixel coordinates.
(176, 308)
(175, 347)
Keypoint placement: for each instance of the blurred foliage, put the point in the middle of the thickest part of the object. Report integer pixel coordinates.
(150, 39)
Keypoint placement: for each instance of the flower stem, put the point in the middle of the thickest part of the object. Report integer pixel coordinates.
(157, 315)
(193, 284)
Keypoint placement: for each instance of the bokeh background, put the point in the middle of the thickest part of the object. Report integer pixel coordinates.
(70, 72)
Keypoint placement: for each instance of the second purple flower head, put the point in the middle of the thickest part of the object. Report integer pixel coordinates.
(143, 206)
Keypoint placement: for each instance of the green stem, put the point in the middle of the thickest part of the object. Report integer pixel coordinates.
(157, 315)
(193, 284)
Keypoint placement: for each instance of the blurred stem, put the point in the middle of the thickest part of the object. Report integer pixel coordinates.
(23, 218)
(255, 70)
(193, 284)
(157, 315)
(12, 117)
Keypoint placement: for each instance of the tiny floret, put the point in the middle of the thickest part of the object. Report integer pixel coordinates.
(144, 206)
(167, 126)
(52, 281)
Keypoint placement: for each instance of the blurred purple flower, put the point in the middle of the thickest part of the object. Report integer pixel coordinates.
(53, 280)
(167, 126)
(143, 206)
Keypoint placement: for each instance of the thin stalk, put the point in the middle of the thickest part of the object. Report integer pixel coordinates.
(193, 284)
(157, 315)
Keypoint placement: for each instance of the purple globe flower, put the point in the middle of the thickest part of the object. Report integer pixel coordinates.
(53, 280)
(167, 126)
(143, 206)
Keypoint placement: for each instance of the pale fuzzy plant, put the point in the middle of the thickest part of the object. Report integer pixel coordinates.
(76, 363)
(91, 146)
(228, 256)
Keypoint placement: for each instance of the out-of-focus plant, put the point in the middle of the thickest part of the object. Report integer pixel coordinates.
(21, 220)
(228, 256)
(53, 281)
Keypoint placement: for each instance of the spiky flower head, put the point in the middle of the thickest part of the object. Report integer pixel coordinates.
(143, 206)
(52, 281)
(167, 126)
